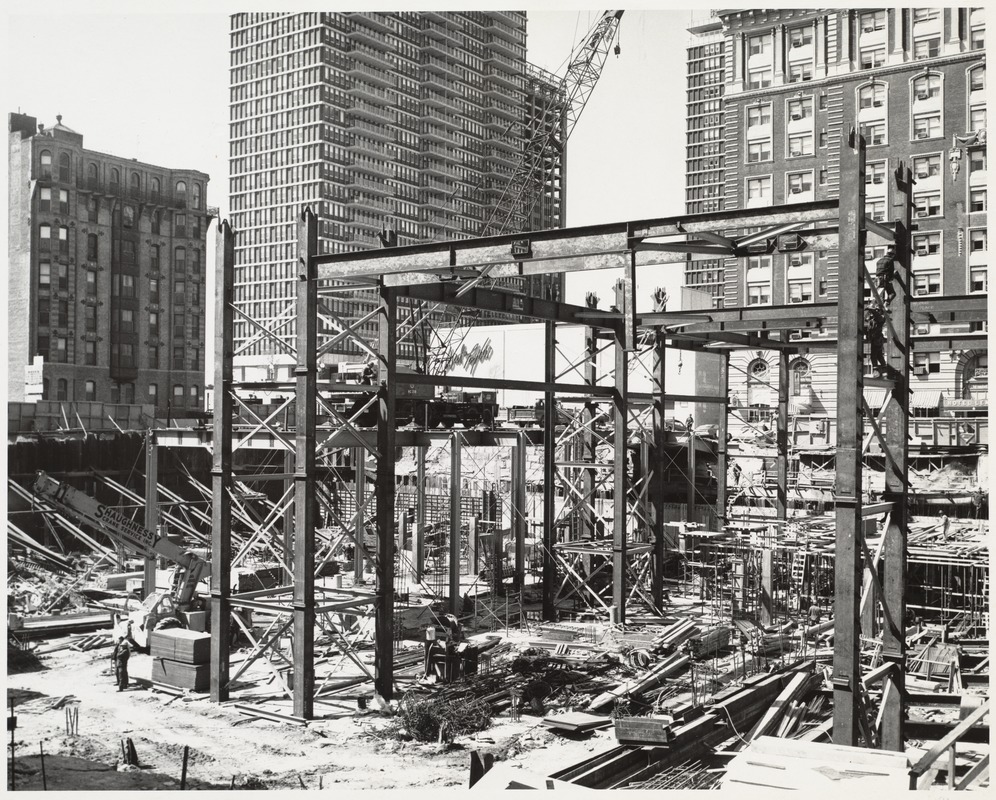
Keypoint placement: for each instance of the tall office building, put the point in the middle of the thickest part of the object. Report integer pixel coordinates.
(405, 122)
(106, 274)
(770, 93)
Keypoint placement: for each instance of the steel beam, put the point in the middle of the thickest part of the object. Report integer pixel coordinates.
(412, 379)
(384, 587)
(418, 547)
(305, 491)
(358, 455)
(549, 472)
(519, 508)
(586, 437)
(654, 470)
(848, 551)
(221, 466)
(896, 487)
(620, 485)
(722, 453)
(151, 507)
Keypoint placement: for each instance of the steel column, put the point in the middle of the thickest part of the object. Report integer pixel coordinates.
(359, 458)
(850, 385)
(654, 469)
(767, 586)
(722, 454)
(419, 538)
(305, 497)
(384, 587)
(221, 465)
(587, 436)
(896, 482)
(519, 509)
(289, 517)
(151, 507)
(455, 518)
(549, 473)
(690, 498)
(781, 499)
(620, 478)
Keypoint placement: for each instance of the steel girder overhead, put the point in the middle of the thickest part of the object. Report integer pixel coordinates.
(432, 272)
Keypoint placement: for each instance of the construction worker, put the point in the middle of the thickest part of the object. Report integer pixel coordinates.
(872, 324)
(814, 614)
(885, 272)
(120, 655)
(945, 524)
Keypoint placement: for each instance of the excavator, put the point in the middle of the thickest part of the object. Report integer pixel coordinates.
(161, 608)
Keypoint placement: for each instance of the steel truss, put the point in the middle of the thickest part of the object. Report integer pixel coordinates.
(430, 274)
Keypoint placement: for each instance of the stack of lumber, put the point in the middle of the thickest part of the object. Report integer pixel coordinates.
(644, 731)
(711, 640)
(787, 710)
(671, 638)
(653, 677)
(181, 658)
(94, 642)
(769, 644)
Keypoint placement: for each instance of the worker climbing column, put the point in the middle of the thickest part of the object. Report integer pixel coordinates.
(221, 467)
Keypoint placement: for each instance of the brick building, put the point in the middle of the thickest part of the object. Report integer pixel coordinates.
(770, 93)
(106, 274)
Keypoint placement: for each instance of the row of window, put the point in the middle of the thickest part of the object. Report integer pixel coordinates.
(46, 173)
(124, 392)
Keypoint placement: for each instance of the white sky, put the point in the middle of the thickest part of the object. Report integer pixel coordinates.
(140, 82)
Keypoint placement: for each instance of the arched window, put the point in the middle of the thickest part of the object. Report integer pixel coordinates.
(155, 190)
(197, 196)
(195, 396)
(136, 184)
(181, 194)
(65, 172)
(975, 378)
(871, 96)
(91, 247)
(758, 390)
(115, 179)
(801, 378)
(926, 86)
(977, 79)
(155, 218)
(45, 173)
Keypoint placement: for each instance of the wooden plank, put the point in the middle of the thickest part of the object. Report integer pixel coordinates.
(796, 687)
(940, 747)
(976, 773)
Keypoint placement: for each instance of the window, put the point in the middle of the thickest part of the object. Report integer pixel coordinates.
(154, 323)
(758, 389)
(128, 216)
(153, 290)
(194, 396)
(136, 185)
(127, 392)
(875, 209)
(927, 282)
(927, 244)
(179, 292)
(928, 204)
(800, 144)
(45, 165)
(155, 192)
(197, 196)
(179, 324)
(759, 191)
(975, 378)
(45, 237)
(758, 280)
(90, 353)
(62, 389)
(178, 394)
(154, 257)
(45, 199)
(977, 200)
(800, 37)
(195, 262)
(801, 378)
(872, 21)
(115, 180)
(800, 109)
(871, 57)
(89, 391)
(115, 392)
(127, 285)
(924, 14)
(179, 224)
(62, 277)
(979, 280)
(927, 126)
(800, 290)
(977, 39)
(44, 311)
(759, 45)
(180, 259)
(925, 363)
(44, 274)
(978, 240)
(178, 355)
(759, 78)
(90, 318)
(976, 161)
(153, 354)
(823, 177)
(91, 247)
(758, 294)
(155, 219)
(63, 240)
(65, 171)
(153, 392)
(874, 132)
(926, 166)
(181, 194)
(91, 210)
(799, 182)
(977, 119)
(800, 72)
(758, 115)
(875, 172)
(759, 151)
(926, 87)
(90, 278)
(929, 47)
(126, 320)
(977, 79)
(872, 96)
(127, 355)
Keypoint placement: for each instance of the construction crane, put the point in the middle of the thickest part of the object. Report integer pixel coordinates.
(514, 207)
(160, 608)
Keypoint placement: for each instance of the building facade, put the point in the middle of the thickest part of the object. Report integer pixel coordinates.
(770, 94)
(405, 122)
(107, 273)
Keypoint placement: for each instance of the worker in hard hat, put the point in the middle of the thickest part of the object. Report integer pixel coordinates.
(120, 656)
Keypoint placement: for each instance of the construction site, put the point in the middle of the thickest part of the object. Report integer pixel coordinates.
(395, 573)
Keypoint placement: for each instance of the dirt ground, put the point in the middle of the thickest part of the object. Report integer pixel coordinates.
(351, 749)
